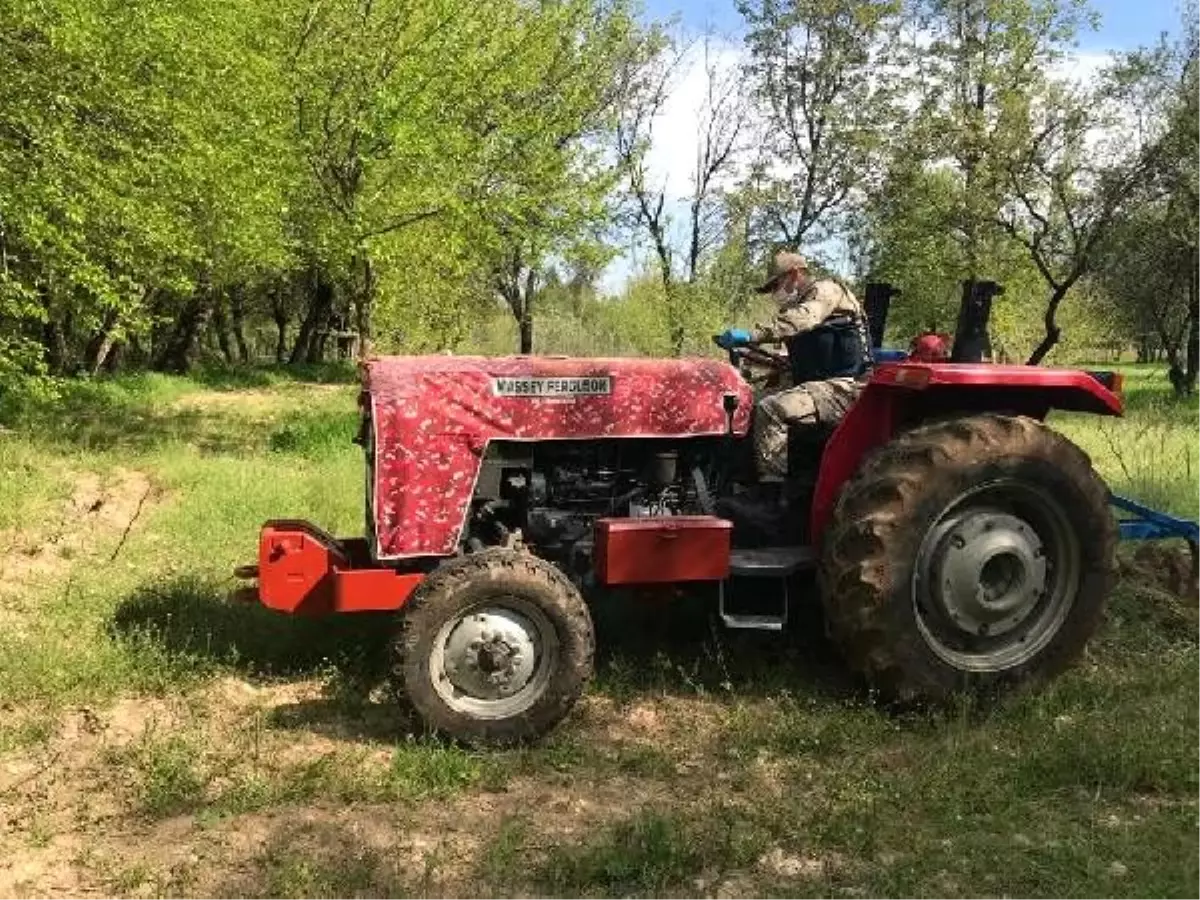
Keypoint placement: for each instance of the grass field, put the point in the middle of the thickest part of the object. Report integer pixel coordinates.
(155, 740)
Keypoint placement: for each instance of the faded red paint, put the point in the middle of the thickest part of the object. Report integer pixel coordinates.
(434, 415)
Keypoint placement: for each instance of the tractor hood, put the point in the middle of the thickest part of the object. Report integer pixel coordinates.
(433, 417)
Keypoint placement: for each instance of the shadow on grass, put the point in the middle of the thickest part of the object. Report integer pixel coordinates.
(679, 646)
(189, 620)
(346, 716)
(643, 646)
(319, 857)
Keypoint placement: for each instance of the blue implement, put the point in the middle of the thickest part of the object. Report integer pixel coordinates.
(1146, 524)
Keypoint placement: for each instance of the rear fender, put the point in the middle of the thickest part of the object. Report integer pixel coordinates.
(901, 396)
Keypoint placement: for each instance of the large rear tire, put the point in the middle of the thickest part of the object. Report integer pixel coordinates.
(968, 555)
(494, 648)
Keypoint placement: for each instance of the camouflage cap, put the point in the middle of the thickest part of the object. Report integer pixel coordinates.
(784, 263)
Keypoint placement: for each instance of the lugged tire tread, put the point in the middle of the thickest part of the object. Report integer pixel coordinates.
(439, 597)
(877, 511)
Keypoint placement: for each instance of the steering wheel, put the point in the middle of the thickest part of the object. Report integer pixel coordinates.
(755, 354)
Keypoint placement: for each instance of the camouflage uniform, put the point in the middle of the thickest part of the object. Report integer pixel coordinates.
(812, 403)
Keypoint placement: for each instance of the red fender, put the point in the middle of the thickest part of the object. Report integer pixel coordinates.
(901, 395)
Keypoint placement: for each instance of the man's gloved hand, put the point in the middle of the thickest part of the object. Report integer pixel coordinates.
(733, 337)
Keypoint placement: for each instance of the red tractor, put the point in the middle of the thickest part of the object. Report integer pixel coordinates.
(959, 543)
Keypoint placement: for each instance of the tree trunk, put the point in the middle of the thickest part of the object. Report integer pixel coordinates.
(308, 323)
(1193, 338)
(364, 302)
(111, 361)
(525, 318)
(322, 317)
(517, 285)
(237, 320)
(220, 324)
(279, 314)
(1053, 331)
(310, 340)
(55, 343)
(54, 338)
(179, 350)
(101, 344)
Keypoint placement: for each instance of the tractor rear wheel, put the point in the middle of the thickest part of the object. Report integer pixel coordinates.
(494, 648)
(967, 555)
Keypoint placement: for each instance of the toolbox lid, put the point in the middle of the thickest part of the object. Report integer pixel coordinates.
(664, 523)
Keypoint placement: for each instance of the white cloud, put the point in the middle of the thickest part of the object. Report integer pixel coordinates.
(1081, 66)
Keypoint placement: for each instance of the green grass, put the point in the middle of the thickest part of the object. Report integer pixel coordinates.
(1152, 454)
(156, 617)
(766, 770)
(651, 853)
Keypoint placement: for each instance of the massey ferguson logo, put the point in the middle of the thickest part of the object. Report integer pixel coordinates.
(552, 387)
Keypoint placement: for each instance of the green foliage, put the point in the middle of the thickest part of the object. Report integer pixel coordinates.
(188, 182)
(173, 173)
(138, 149)
(815, 66)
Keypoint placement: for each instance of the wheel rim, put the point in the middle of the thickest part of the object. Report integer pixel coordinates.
(996, 576)
(495, 659)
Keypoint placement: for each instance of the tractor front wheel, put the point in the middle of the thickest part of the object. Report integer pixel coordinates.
(966, 555)
(494, 648)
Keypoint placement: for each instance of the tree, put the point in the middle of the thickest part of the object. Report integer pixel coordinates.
(138, 160)
(981, 66)
(555, 202)
(1068, 187)
(1149, 261)
(1139, 273)
(1178, 175)
(824, 73)
(394, 135)
(722, 124)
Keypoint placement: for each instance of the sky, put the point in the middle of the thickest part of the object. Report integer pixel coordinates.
(1123, 25)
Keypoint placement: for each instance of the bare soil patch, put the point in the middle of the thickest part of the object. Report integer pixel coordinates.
(1164, 566)
(100, 511)
(72, 825)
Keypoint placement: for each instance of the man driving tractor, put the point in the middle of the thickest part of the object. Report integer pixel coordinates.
(824, 328)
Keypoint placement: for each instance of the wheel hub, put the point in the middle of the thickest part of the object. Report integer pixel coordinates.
(491, 654)
(988, 572)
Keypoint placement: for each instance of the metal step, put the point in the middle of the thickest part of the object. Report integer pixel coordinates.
(771, 562)
(761, 623)
(755, 620)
